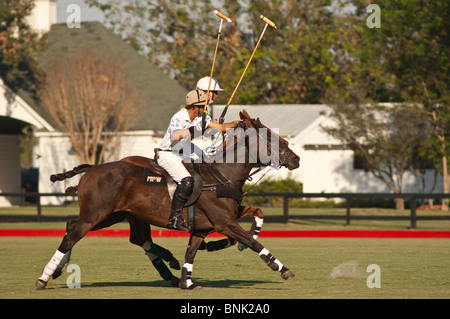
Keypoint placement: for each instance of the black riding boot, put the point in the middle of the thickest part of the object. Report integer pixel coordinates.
(182, 193)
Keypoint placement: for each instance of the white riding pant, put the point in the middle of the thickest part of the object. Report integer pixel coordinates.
(173, 164)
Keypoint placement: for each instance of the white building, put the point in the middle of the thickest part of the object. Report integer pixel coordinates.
(325, 164)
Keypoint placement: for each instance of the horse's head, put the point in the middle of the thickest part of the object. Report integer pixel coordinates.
(276, 147)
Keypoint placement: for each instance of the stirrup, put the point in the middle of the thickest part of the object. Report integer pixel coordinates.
(177, 224)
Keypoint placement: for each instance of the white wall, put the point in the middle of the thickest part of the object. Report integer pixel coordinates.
(12, 105)
(9, 169)
(332, 171)
(43, 15)
(54, 154)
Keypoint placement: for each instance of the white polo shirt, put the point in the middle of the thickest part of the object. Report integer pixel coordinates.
(181, 120)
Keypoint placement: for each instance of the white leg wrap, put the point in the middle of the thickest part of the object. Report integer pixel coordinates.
(264, 252)
(270, 259)
(258, 224)
(51, 266)
(189, 268)
(259, 221)
(280, 265)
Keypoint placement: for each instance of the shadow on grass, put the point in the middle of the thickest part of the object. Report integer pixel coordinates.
(227, 283)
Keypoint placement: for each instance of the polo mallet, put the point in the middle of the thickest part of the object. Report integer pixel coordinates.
(268, 22)
(222, 18)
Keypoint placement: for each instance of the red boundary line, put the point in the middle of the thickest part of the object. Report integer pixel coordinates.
(264, 233)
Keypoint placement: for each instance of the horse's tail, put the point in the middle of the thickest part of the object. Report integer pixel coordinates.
(75, 171)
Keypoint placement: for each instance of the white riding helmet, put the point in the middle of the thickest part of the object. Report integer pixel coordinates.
(202, 84)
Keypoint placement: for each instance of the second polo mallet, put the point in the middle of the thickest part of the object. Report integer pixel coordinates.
(268, 22)
(222, 18)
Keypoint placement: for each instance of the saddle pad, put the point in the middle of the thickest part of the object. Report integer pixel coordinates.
(150, 178)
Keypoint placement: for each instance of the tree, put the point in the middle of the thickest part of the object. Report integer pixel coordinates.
(384, 137)
(294, 64)
(89, 97)
(19, 46)
(409, 58)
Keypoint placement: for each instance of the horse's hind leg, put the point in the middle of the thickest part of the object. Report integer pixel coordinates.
(140, 235)
(75, 231)
(65, 260)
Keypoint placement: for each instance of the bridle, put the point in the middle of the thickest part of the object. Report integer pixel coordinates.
(283, 154)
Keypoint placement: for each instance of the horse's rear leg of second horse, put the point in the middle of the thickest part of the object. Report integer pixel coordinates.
(140, 235)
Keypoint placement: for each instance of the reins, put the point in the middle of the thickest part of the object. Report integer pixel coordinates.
(221, 182)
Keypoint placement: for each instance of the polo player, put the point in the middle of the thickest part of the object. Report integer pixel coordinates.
(186, 122)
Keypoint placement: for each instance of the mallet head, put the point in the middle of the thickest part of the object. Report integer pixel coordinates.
(222, 16)
(271, 23)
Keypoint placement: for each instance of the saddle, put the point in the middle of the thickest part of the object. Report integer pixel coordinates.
(155, 175)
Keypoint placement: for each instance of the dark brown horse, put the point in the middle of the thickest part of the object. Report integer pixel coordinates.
(117, 188)
(140, 232)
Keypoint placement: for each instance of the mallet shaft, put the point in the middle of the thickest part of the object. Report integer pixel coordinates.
(223, 17)
(246, 67)
(268, 22)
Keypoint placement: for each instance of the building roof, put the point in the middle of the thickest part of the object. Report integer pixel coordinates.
(290, 119)
(161, 95)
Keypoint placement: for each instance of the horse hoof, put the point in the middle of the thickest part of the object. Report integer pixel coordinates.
(174, 264)
(174, 281)
(241, 247)
(191, 287)
(287, 274)
(40, 284)
(194, 287)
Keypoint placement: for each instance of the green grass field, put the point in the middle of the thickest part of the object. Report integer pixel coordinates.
(113, 268)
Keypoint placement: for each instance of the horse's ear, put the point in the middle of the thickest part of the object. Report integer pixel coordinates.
(244, 115)
(258, 121)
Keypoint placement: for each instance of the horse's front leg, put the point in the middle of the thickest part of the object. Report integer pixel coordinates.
(244, 211)
(186, 272)
(234, 230)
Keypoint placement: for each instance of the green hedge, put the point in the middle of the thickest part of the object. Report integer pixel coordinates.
(290, 185)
